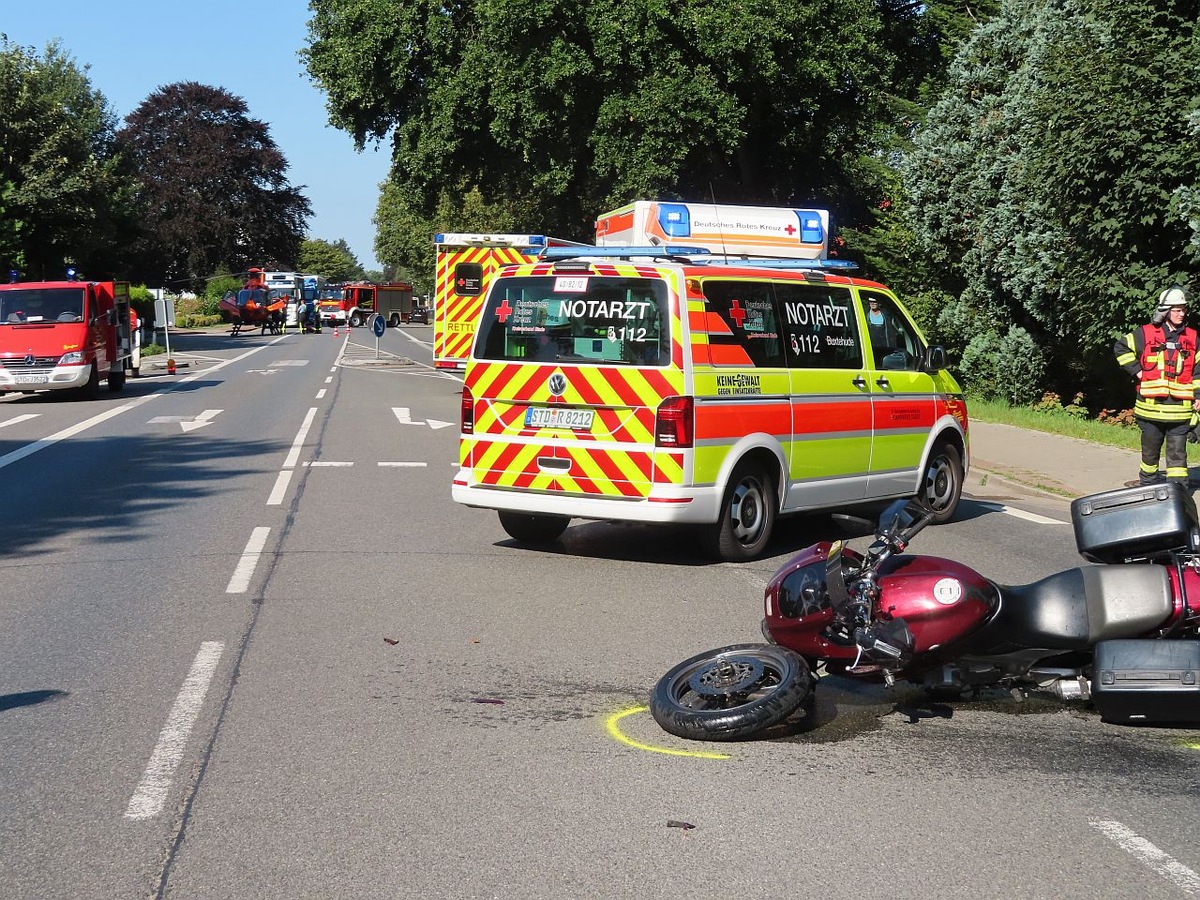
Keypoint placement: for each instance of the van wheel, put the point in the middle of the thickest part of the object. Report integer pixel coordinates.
(747, 516)
(942, 483)
(533, 529)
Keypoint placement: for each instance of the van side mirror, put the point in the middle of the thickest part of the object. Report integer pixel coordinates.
(935, 359)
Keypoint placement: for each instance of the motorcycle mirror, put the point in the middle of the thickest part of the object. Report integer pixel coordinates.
(894, 519)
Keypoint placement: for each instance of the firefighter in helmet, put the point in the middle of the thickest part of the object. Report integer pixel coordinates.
(1161, 356)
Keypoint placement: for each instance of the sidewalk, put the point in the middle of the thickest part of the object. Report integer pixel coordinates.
(1004, 457)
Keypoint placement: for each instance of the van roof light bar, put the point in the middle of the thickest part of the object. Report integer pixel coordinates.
(782, 263)
(621, 252)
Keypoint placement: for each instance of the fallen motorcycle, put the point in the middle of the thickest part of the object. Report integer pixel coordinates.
(1121, 633)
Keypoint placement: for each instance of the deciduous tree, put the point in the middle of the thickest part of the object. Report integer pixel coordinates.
(213, 186)
(64, 195)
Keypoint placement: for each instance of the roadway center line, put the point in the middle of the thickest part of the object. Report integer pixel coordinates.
(411, 465)
(1022, 514)
(147, 800)
(1149, 855)
(24, 418)
(281, 486)
(294, 453)
(320, 394)
(240, 582)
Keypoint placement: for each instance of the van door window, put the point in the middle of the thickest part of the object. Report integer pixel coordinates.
(820, 326)
(748, 308)
(894, 342)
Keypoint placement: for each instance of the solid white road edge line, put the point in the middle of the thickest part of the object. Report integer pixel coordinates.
(294, 453)
(1149, 855)
(240, 582)
(147, 800)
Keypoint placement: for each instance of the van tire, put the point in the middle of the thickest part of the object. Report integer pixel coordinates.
(527, 528)
(747, 516)
(942, 482)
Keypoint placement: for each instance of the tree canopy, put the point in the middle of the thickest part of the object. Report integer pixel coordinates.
(213, 187)
(335, 261)
(548, 114)
(1056, 179)
(64, 194)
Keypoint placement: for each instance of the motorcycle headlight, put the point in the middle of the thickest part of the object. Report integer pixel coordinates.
(74, 358)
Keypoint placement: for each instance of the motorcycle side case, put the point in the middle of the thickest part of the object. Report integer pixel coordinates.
(1147, 682)
(1134, 523)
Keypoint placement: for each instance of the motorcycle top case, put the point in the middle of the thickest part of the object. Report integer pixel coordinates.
(1147, 682)
(1134, 522)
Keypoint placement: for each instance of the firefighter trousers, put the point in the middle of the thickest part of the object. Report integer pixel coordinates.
(1154, 435)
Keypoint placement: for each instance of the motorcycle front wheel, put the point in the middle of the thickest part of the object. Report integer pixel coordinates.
(731, 693)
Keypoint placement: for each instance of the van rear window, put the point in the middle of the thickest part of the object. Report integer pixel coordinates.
(581, 318)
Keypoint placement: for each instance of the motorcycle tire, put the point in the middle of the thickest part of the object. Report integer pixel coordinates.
(731, 693)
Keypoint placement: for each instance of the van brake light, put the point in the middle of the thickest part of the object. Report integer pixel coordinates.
(674, 426)
(466, 413)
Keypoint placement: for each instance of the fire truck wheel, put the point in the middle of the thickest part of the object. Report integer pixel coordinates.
(116, 381)
(527, 528)
(356, 320)
(747, 516)
(91, 390)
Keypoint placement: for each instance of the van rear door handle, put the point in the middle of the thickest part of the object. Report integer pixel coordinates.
(859, 382)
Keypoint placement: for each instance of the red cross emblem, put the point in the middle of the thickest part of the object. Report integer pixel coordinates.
(503, 311)
(737, 313)
(791, 229)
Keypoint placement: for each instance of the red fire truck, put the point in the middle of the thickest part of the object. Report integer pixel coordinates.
(65, 335)
(358, 302)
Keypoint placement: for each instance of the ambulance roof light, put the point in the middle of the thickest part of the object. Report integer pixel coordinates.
(782, 263)
(622, 252)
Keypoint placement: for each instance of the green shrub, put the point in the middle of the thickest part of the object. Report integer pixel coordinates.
(195, 320)
(1007, 367)
(1051, 404)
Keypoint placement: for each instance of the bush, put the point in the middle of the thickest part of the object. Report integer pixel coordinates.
(1007, 367)
(1051, 404)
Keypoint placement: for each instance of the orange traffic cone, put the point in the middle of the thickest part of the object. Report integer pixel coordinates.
(170, 366)
(335, 334)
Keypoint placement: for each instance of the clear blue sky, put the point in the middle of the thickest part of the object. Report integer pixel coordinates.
(133, 47)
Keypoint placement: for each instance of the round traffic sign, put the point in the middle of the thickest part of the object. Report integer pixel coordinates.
(378, 325)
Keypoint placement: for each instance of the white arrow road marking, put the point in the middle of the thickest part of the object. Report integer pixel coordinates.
(1149, 855)
(188, 423)
(147, 800)
(240, 582)
(205, 418)
(402, 415)
(23, 418)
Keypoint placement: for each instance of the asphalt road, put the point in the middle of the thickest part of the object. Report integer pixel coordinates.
(250, 648)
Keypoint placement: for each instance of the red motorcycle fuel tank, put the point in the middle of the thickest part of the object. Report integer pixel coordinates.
(941, 601)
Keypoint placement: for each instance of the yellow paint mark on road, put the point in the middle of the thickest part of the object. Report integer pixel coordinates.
(612, 724)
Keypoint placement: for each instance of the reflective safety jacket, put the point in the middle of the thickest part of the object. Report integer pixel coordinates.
(1162, 360)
